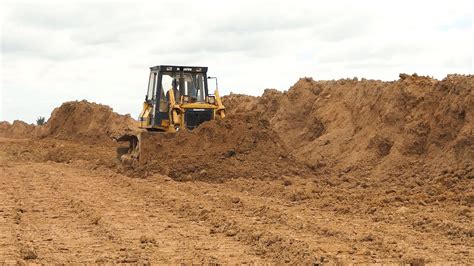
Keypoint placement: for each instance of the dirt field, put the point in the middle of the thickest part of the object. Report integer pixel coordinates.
(329, 171)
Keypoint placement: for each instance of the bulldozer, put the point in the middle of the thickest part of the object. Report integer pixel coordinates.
(177, 98)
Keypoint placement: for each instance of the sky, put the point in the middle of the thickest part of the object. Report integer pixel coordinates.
(101, 51)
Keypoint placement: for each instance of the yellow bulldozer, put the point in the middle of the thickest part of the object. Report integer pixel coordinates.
(177, 98)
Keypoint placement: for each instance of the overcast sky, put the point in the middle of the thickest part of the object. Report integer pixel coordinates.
(56, 51)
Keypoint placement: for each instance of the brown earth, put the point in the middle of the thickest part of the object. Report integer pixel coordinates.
(86, 121)
(328, 171)
(76, 121)
(244, 144)
(17, 130)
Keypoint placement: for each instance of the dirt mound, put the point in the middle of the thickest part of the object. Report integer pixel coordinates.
(91, 122)
(350, 123)
(17, 130)
(239, 146)
(77, 120)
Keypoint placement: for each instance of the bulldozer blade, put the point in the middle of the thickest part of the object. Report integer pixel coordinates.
(141, 147)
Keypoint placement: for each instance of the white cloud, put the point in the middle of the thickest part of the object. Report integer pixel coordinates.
(53, 51)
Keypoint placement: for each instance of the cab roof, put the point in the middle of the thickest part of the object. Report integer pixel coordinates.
(170, 68)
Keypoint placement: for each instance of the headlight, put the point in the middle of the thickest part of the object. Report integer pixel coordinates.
(211, 99)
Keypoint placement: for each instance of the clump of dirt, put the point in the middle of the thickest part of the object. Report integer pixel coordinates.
(85, 121)
(239, 103)
(17, 130)
(239, 146)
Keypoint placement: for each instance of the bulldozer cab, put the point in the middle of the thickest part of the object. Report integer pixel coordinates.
(188, 85)
(186, 81)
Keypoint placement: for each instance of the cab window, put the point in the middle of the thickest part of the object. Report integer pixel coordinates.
(151, 86)
(194, 87)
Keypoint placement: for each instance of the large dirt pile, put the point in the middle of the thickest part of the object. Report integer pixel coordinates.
(18, 129)
(366, 124)
(91, 122)
(240, 146)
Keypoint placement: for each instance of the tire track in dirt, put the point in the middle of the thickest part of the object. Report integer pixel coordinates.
(204, 234)
(8, 244)
(243, 218)
(277, 244)
(49, 227)
(144, 228)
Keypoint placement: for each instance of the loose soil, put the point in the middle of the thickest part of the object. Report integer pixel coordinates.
(342, 171)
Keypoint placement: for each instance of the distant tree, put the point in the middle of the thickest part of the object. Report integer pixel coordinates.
(40, 121)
